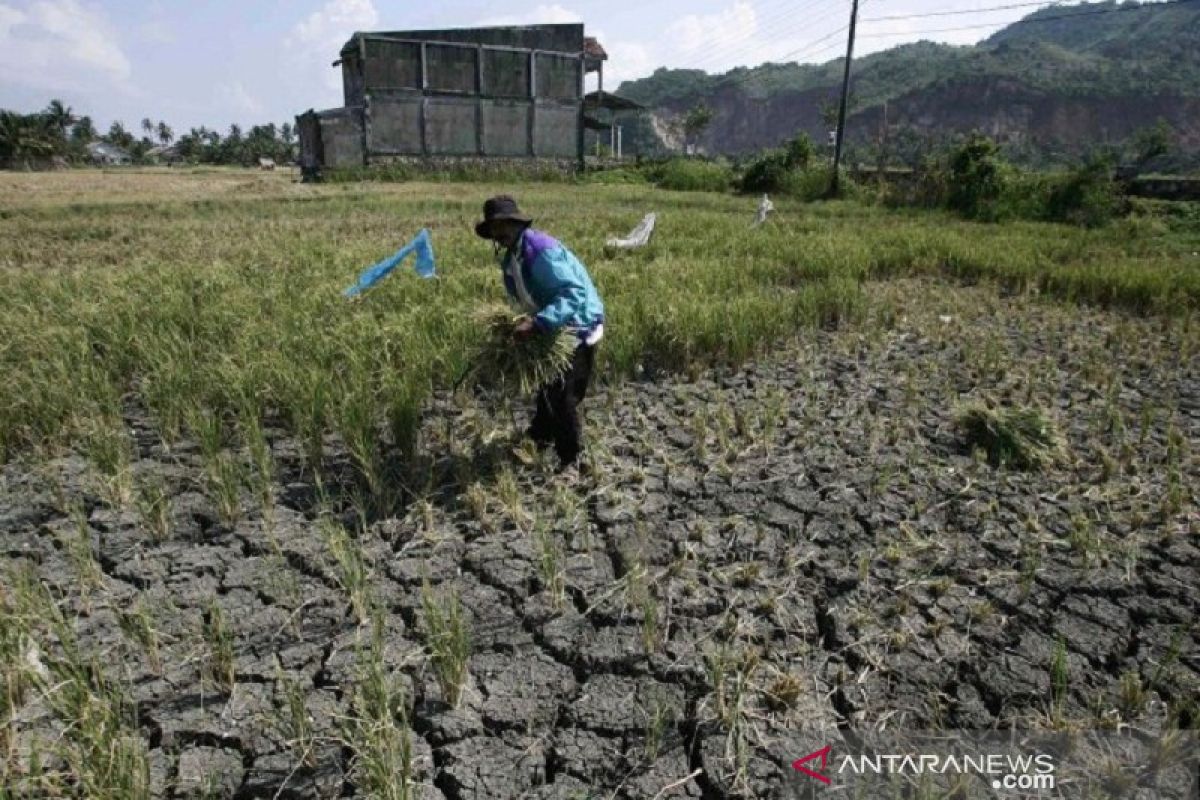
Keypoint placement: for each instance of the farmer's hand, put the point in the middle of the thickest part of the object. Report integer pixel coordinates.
(524, 330)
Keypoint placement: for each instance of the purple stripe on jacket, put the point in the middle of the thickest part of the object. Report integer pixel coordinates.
(534, 243)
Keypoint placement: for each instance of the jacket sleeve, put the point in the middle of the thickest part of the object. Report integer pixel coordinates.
(559, 270)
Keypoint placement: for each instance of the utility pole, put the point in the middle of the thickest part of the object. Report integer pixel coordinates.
(881, 162)
(841, 126)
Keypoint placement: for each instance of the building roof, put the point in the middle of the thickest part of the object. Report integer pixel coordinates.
(593, 49)
(610, 101)
(558, 37)
(107, 150)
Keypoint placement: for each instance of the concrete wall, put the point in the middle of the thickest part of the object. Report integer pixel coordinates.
(488, 92)
(342, 137)
(504, 92)
(1166, 188)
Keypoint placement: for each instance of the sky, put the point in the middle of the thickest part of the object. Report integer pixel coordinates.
(252, 61)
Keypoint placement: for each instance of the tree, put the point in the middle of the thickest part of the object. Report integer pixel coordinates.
(118, 136)
(831, 109)
(798, 151)
(84, 130)
(191, 145)
(694, 122)
(148, 125)
(286, 134)
(233, 149)
(24, 136)
(59, 115)
(165, 134)
(976, 177)
(1152, 142)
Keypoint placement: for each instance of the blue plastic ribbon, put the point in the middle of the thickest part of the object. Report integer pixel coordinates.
(424, 265)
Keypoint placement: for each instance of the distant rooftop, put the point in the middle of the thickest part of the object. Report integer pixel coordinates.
(593, 49)
(565, 38)
(106, 149)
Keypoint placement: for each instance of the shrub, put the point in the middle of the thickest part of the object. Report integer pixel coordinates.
(1087, 196)
(930, 189)
(812, 183)
(692, 175)
(975, 181)
(621, 176)
(1024, 195)
(766, 173)
(799, 151)
(771, 171)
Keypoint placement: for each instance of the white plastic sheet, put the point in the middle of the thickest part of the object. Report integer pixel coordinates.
(765, 206)
(637, 237)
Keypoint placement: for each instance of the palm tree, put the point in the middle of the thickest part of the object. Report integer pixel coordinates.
(117, 135)
(84, 130)
(22, 136)
(59, 115)
(148, 125)
(165, 134)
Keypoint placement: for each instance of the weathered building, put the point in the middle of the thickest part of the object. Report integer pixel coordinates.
(106, 154)
(509, 92)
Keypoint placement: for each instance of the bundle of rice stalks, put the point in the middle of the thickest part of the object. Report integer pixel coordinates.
(1023, 438)
(521, 365)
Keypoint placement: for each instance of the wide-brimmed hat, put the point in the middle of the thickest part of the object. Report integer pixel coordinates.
(498, 208)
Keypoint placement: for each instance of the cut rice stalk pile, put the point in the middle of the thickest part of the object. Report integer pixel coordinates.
(1024, 438)
(521, 365)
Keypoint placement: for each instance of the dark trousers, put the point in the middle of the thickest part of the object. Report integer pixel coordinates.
(557, 417)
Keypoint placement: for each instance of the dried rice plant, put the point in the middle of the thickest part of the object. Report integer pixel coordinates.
(521, 365)
(1024, 438)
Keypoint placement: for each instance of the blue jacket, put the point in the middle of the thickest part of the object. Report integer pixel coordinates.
(551, 283)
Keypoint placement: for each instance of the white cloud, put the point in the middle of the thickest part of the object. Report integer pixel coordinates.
(156, 32)
(153, 26)
(627, 61)
(236, 94)
(332, 24)
(59, 45)
(726, 28)
(315, 41)
(539, 15)
(732, 36)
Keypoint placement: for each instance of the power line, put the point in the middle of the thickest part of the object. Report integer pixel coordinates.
(806, 51)
(771, 17)
(806, 48)
(735, 50)
(721, 54)
(1052, 18)
(959, 12)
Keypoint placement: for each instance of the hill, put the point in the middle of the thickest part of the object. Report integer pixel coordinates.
(1052, 85)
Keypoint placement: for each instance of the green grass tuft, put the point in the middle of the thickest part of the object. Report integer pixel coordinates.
(1022, 438)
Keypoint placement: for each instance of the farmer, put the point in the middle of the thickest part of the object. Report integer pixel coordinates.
(555, 290)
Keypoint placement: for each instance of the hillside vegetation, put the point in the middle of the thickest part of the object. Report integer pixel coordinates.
(1056, 67)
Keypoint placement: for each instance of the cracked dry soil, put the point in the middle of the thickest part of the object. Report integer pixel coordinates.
(763, 560)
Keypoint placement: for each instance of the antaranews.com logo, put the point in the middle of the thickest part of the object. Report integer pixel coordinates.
(1027, 771)
(1014, 764)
